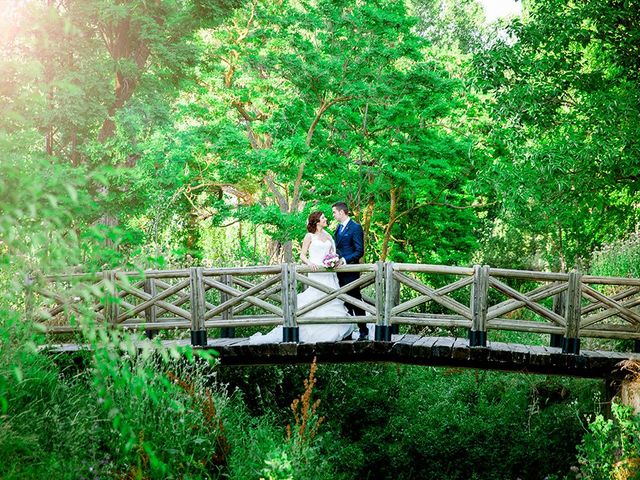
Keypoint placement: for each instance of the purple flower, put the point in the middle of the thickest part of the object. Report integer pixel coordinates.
(331, 260)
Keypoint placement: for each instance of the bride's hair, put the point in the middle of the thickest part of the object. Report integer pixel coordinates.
(312, 221)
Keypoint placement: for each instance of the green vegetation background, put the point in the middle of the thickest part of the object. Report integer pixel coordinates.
(177, 133)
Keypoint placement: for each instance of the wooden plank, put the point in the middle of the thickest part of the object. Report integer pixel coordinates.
(235, 322)
(442, 300)
(224, 297)
(425, 268)
(269, 293)
(150, 314)
(402, 347)
(196, 282)
(238, 271)
(414, 302)
(528, 275)
(292, 286)
(611, 312)
(182, 297)
(617, 297)
(623, 281)
(308, 320)
(573, 307)
(461, 350)
(540, 355)
(524, 326)
(625, 313)
(288, 312)
(158, 301)
(384, 293)
(479, 301)
(364, 280)
(358, 267)
(613, 332)
(499, 352)
(225, 342)
(539, 309)
(343, 296)
(442, 348)
(519, 353)
(422, 348)
(239, 296)
(536, 295)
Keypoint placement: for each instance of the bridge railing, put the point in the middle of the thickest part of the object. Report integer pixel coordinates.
(567, 306)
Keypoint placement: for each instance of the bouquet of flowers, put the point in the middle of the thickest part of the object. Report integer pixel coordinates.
(331, 260)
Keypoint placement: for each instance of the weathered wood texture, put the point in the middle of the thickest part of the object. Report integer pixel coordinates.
(481, 299)
(415, 350)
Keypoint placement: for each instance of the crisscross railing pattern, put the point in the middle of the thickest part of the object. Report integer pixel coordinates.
(567, 306)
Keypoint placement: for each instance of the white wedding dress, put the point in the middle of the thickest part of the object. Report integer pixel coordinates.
(331, 332)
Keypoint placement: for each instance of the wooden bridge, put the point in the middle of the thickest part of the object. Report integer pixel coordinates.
(468, 303)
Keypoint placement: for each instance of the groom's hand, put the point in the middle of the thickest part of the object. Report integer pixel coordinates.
(342, 261)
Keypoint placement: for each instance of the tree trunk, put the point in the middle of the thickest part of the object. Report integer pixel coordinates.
(629, 393)
(367, 219)
(393, 208)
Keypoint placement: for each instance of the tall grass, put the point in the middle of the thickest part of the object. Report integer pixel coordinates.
(127, 407)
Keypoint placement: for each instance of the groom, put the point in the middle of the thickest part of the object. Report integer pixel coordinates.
(350, 247)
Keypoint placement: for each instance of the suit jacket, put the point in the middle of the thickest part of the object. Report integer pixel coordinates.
(350, 242)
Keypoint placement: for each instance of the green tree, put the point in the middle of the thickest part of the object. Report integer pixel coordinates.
(305, 103)
(566, 98)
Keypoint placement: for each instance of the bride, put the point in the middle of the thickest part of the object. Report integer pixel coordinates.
(316, 245)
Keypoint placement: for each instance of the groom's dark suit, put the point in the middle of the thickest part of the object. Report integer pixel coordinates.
(350, 246)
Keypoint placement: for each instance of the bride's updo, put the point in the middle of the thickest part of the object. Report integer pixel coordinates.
(312, 221)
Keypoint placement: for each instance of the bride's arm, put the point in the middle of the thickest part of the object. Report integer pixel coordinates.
(305, 249)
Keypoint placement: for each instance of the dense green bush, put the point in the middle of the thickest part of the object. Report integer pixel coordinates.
(611, 448)
(406, 422)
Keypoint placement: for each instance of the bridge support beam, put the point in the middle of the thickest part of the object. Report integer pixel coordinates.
(559, 307)
(290, 330)
(477, 338)
(383, 333)
(571, 345)
(150, 313)
(573, 311)
(384, 301)
(198, 307)
(291, 334)
(227, 332)
(479, 306)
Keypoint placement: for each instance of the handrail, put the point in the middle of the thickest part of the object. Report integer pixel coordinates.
(220, 297)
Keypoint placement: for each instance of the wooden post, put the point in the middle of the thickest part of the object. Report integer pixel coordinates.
(395, 301)
(479, 306)
(151, 312)
(290, 330)
(227, 332)
(198, 330)
(111, 298)
(559, 307)
(571, 342)
(384, 277)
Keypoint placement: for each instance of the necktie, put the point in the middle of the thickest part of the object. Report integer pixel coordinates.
(339, 229)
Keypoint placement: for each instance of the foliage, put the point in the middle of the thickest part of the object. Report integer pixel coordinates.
(611, 448)
(209, 130)
(617, 259)
(392, 421)
(565, 141)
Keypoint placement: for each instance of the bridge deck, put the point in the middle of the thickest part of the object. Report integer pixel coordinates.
(417, 350)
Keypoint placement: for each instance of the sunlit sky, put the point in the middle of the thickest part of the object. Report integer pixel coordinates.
(500, 8)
